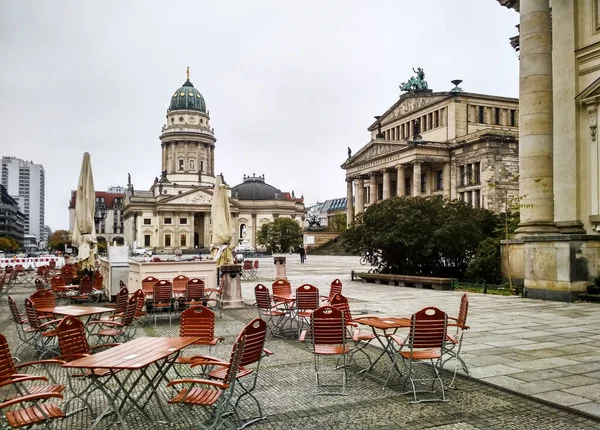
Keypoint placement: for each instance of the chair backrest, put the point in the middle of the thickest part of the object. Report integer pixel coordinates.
(247, 265)
(148, 284)
(57, 281)
(52, 264)
(71, 336)
(122, 284)
(32, 316)
(163, 292)
(86, 285)
(131, 305)
(43, 299)
(341, 302)
(39, 284)
(256, 333)
(428, 328)
(307, 297)
(141, 301)
(328, 326)
(98, 280)
(67, 273)
(121, 300)
(7, 364)
(236, 357)
(335, 288)
(282, 287)
(194, 290)
(180, 282)
(14, 311)
(255, 265)
(461, 320)
(262, 296)
(198, 321)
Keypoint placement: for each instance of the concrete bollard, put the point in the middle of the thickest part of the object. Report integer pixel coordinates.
(231, 297)
(280, 269)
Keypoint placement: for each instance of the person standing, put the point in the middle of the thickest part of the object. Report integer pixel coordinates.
(302, 253)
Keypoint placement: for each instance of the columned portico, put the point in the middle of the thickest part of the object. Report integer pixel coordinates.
(416, 181)
(535, 119)
(372, 188)
(386, 184)
(349, 205)
(400, 180)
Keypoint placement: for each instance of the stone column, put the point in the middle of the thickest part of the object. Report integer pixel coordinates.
(535, 119)
(428, 173)
(400, 181)
(280, 268)
(372, 188)
(386, 184)
(231, 295)
(349, 203)
(359, 183)
(207, 235)
(416, 185)
(446, 180)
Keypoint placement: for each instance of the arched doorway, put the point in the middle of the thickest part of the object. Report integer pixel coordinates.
(118, 240)
(196, 240)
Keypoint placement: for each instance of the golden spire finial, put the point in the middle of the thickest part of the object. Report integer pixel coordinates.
(187, 73)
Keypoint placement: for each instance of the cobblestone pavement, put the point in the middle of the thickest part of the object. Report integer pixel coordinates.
(286, 390)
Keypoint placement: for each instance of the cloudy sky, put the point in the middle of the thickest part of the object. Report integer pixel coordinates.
(289, 84)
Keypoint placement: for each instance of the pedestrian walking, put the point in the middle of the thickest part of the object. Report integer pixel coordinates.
(302, 253)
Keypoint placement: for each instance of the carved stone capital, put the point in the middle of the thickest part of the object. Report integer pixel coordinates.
(592, 109)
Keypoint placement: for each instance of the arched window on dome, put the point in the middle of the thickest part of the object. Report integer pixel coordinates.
(201, 165)
(180, 161)
(192, 165)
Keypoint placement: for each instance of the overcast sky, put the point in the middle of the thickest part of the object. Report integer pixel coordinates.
(289, 84)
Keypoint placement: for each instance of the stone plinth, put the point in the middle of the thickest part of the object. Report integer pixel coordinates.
(231, 298)
(280, 268)
(554, 267)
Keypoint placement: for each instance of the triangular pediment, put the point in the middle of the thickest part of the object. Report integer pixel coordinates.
(373, 150)
(591, 93)
(407, 105)
(193, 197)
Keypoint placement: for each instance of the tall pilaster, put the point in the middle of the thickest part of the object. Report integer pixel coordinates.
(400, 180)
(359, 183)
(372, 188)
(386, 184)
(416, 185)
(349, 206)
(535, 119)
(446, 180)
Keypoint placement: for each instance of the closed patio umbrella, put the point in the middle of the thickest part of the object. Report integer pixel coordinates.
(84, 229)
(222, 229)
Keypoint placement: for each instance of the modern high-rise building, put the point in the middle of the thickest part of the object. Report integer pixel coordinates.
(25, 182)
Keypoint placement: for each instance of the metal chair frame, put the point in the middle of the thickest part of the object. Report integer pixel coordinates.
(453, 344)
(162, 298)
(268, 310)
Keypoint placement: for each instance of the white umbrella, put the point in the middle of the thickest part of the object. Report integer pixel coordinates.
(84, 229)
(222, 229)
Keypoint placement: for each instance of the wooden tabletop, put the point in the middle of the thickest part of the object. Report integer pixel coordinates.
(135, 354)
(75, 311)
(384, 323)
(286, 297)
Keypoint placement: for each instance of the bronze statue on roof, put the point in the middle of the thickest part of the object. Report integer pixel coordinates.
(415, 83)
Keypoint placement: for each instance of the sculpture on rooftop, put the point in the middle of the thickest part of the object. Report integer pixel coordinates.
(415, 83)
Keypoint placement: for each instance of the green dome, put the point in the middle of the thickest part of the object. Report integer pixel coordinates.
(188, 97)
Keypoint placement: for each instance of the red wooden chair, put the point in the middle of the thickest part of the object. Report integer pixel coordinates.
(334, 288)
(424, 345)
(98, 286)
(281, 287)
(247, 269)
(84, 294)
(214, 396)
(307, 301)
(120, 328)
(267, 309)
(194, 292)
(162, 299)
(341, 302)
(141, 301)
(39, 284)
(67, 273)
(255, 269)
(148, 285)
(179, 284)
(329, 340)
(43, 299)
(44, 334)
(120, 303)
(25, 333)
(453, 343)
(253, 352)
(213, 297)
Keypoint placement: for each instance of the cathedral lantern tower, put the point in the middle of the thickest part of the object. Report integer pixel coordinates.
(187, 140)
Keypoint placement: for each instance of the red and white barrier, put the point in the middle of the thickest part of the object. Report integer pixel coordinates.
(32, 262)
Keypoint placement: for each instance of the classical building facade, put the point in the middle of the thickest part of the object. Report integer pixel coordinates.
(557, 253)
(174, 214)
(25, 181)
(452, 144)
(108, 216)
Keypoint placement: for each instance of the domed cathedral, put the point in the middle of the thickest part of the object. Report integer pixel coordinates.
(173, 215)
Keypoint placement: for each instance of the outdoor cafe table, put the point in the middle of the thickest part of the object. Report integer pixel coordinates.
(287, 300)
(86, 312)
(136, 355)
(383, 327)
